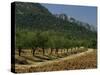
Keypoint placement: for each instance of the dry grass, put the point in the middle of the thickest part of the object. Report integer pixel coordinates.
(86, 61)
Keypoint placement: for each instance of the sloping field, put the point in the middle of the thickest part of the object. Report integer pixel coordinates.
(83, 60)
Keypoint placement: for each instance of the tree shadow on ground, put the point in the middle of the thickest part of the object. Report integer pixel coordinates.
(42, 57)
(32, 59)
(52, 57)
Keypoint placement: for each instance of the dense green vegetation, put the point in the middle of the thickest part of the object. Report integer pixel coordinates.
(36, 28)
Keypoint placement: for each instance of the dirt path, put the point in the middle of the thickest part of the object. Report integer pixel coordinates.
(57, 60)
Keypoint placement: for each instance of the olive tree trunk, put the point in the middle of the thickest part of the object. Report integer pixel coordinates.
(43, 51)
(51, 51)
(20, 50)
(33, 49)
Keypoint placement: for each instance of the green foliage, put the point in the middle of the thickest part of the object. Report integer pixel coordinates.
(42, 39)
(93, 44)
(67, 44)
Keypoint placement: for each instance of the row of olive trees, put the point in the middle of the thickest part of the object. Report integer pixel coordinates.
(44, 40)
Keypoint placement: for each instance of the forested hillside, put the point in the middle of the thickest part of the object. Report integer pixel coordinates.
(37, 27)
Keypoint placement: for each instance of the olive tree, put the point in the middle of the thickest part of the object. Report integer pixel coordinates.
(42, 39)
(20, 41)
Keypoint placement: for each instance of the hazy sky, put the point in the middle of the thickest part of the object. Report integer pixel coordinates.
(82, 13)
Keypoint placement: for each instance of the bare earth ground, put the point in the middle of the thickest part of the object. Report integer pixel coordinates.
(83, 60)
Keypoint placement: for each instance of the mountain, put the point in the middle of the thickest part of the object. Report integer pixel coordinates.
(30, 8)
(35, 17)
(71, 19)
